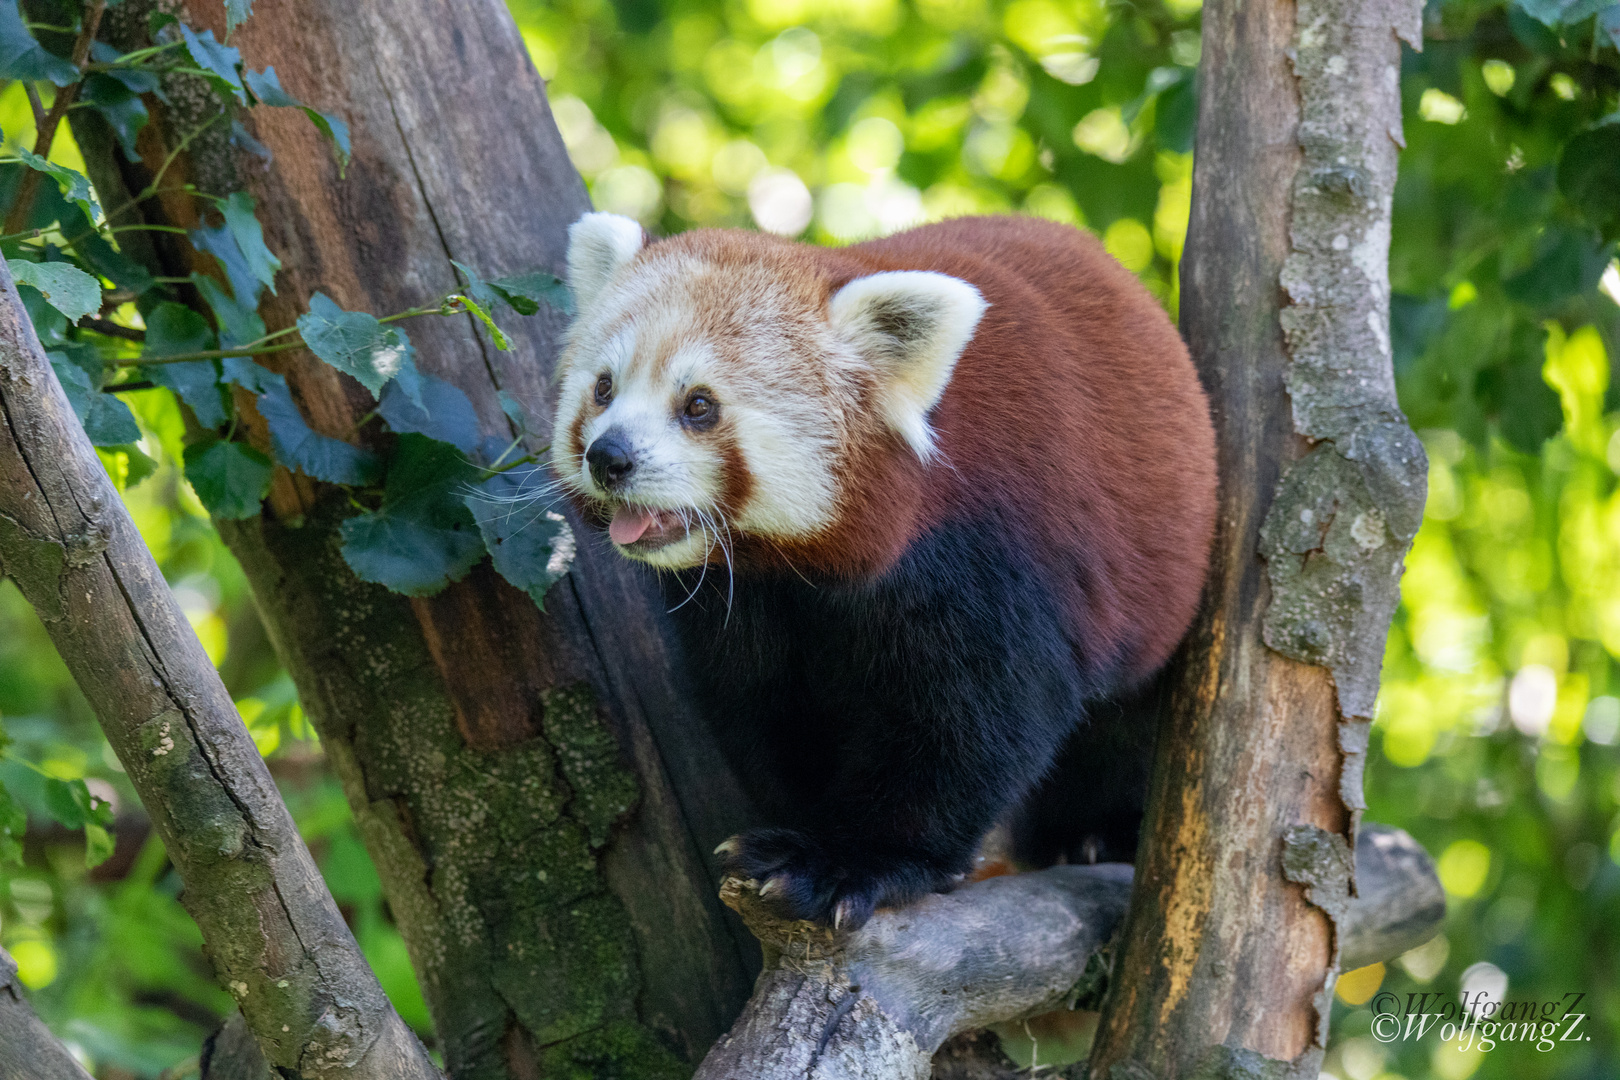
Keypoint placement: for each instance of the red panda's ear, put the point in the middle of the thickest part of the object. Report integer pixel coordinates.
(598, 244)
(911, 325)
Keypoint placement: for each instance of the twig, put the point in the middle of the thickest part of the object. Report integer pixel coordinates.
(45, 132)
(35, 104)
(112, 329)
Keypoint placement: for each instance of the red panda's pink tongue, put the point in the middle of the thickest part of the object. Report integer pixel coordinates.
(628, 523)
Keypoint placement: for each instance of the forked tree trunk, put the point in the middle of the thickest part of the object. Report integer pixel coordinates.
(485, 746)
(1232, 944)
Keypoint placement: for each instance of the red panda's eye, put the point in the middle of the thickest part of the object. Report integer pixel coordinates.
(604, 389)
(701, 410)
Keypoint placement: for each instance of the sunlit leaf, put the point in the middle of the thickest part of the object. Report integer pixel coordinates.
(64, 286)
(355, 343)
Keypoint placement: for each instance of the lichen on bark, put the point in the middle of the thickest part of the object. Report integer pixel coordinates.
(1344, 514)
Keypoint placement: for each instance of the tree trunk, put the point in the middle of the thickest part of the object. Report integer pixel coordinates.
(1235, 930)
(539, 802)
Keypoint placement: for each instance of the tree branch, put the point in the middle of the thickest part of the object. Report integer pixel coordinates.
(881, 1000)
(27, 1047)
(273, 932)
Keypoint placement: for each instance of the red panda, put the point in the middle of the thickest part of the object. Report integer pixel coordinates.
(919, 506)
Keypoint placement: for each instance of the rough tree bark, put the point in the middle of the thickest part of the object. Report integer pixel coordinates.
(272, 930)
(487, 748)
(27, 1047)
(1235, 931)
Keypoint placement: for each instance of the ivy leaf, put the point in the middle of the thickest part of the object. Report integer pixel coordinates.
(249, 375)
(530, 544)
(122, 107)
(526, 292)
(1556, 13)
(137, 80)
(355, 343)
(439, 411)
(126, 463)
(266, 87)
(249, 234)
(72, 182)
(98, 845)
(220, 242)
(64, 286)
(172, 329)
(424, 537)
(237, 324)
(1589, 173)
(72, 805)
(230, 478)
(220, 61)
(298, 446)
(236, 13)
(25, 59)
(107, 420)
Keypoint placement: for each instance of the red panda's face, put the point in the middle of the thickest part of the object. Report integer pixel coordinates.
(708, 395)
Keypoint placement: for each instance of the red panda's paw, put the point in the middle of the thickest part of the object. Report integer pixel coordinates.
(827, 881)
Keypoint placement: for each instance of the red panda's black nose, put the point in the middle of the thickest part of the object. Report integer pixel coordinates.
(609, 459)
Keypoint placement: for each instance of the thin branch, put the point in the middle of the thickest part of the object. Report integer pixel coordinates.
(69, 543)
(45, 132)
(112, 329)
(35, 104)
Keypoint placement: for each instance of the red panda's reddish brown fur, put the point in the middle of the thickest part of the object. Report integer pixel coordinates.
(1075, 389)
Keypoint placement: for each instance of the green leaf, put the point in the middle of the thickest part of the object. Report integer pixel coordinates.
(174, 328)
(1589, 175)
(250, 376)
(530, 544)
(266, 87)
(126, 463)
(236, 13)
(300, 447)
(238, 324)
(526, 292)
(137, 80)
(109, 422)
(24, 59)
(122, 107)
(230, 478)
(1556, 13)
(75, 383)
(440, 411)
(249, 234)
(355, 343)
(424, 537)
(73, 184)
(220, 242)
(98, 846)
(67, 288)
(71, 804)
(13, 824)
(220, 61)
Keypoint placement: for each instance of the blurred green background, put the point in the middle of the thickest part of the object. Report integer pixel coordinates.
(1497, 741)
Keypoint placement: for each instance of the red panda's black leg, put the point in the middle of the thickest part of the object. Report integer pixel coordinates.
(886, 726)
